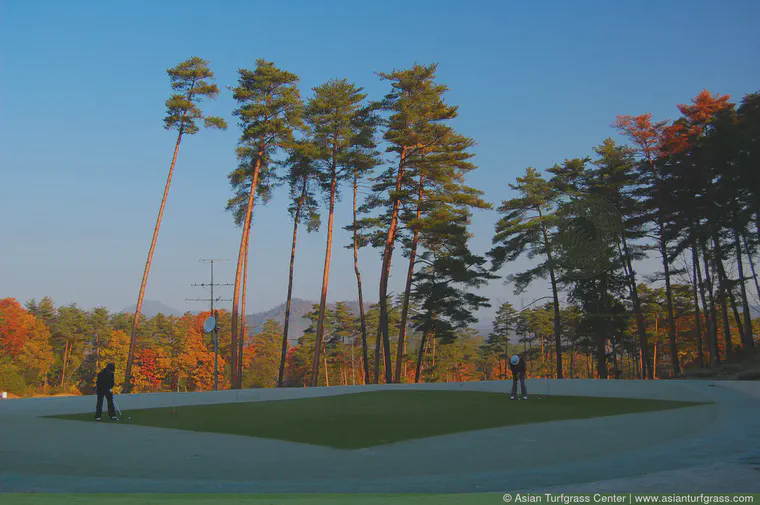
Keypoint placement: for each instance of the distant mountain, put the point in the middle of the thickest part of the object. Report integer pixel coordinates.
(152, 308)
(298, 309)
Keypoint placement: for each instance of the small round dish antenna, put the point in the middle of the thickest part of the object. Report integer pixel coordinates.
(209, 324)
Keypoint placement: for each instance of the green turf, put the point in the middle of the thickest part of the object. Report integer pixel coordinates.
(361, 420)
(314, 499)
(244, 499)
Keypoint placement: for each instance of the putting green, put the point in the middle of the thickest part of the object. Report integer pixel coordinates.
(355, 421)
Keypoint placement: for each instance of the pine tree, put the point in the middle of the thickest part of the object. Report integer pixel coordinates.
(416, 108)
(363, 159)
(525, 227)
(343, 339)
(502, 327)
(648, 136)
(442, 287)
(440, 195)
(704, 205)
(303, 208)
(191, 81)
(262, 369)
(331, 115)
(269, 108)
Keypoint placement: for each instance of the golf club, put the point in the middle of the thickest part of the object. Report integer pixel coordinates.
(121, 415)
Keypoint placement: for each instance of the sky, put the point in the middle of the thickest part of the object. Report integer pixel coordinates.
(84, 156)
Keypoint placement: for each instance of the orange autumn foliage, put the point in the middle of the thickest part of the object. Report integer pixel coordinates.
(645, 133)
(24, 339)
(682, 134)
(18, 328)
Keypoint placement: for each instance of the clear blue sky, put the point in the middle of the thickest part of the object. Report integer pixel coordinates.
(84, 156)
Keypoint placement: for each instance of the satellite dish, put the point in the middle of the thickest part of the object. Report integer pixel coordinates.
(209, 324)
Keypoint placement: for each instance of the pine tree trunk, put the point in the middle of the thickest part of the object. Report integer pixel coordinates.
(362, 319)
(506, 354)
(713, 311)
(709, 320)
(697, 317)
(555, 295)
(572, 361)
(669, 303)
(732, 300)
(723, 292)
(646, 365)
(432, 365)
(239, 270)
(377, 351)
(327, 375)
(361, 364)
(325, 277)
(726, 327)
(65, 362)
(751, 265)
(408, 287)
(747, 342)
(725, 297)
(737, 316)
(420, 356)
(141, 295)
(386, 270)
(284, 349)
(353, 368)
(601, 356)
(543, 356)
(655, 357)
(656, 342)
(241, 340)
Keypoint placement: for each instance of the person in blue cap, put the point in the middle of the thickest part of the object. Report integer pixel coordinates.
(517, 366)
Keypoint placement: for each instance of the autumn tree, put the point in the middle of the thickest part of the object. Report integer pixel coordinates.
(192, 82)
(269, 108)
(115, 351)
(26, 354)
(647, 136)
(696, 161)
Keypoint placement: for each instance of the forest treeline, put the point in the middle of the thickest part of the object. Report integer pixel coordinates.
(681, 194)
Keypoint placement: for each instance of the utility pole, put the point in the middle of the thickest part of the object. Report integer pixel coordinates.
(214, 313)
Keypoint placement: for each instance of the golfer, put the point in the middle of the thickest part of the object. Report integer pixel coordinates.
(104, 387)
(517, 365)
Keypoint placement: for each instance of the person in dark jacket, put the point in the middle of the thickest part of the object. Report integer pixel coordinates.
(517, 366)
(104, 388)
